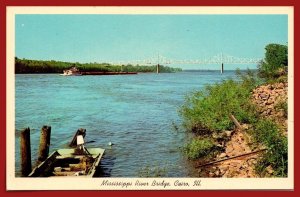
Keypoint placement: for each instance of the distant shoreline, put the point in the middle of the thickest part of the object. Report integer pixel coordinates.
(217, 70)
(27, 66)
(124, 73)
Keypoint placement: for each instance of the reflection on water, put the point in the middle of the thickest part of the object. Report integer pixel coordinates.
(137, 113)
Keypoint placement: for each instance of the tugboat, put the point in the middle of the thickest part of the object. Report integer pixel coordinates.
(71, 72)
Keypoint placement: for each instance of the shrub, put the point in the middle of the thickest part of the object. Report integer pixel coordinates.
(268, 133)
(208, 110)
(198, 148)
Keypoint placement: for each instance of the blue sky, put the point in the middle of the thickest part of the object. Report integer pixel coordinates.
(96, 38)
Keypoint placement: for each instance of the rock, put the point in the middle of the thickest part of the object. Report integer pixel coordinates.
(244, 166)
(223, 168)
(280, 85)
(219, 135)
(245, 126)
(222, 155)
(270, 87)
(220, 145)
(247, 149)
(264, 96)
(236, 163)
(270, 170)
(270, 107)
(252, 161)
(228, 133)
(281, 113)
(229, 149)
(270, 101)
(238, 149)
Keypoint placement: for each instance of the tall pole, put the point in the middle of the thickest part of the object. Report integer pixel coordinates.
(222, 66)
(157, 67)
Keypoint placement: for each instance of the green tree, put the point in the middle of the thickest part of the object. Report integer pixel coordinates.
(275, 63)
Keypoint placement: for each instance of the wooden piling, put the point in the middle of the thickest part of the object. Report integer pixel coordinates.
(80, 131)
(157, 68)
(25, 152)
(44, 143)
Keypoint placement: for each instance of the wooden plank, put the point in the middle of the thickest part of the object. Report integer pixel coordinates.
(71, 173)
(60, 169)
(229, 158)
(69, 157)
(44, 167)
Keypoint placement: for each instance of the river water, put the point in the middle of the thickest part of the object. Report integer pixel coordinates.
(137, 113)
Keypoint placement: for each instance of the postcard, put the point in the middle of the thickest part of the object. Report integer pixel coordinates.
(150, 98)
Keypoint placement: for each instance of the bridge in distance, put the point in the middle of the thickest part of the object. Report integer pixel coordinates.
(220, 59)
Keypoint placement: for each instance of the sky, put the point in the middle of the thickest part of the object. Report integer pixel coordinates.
(100, 38)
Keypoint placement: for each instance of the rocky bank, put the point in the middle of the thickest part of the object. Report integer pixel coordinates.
(270, 100)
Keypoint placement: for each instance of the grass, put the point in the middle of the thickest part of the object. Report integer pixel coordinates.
(198, 148)
(268, 133)
(282, 105)
(155, 171)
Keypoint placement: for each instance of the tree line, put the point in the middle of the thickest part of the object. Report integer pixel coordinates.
(25, 66)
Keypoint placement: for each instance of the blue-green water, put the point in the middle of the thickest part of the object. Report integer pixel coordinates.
(135, 112)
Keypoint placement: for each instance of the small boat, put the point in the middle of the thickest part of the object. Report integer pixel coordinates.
(69, 162)
(71, 72)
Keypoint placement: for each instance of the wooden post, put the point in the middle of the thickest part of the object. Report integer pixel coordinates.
(44, 143)
(157, 68)
(80, 131)
(25, 152)
(237, 124)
